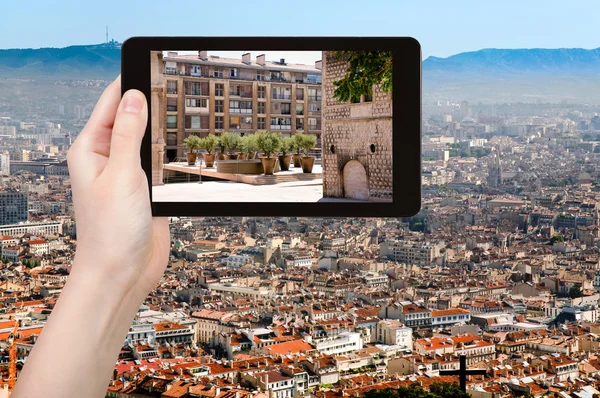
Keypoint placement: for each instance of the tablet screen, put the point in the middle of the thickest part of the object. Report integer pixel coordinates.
(272, 126)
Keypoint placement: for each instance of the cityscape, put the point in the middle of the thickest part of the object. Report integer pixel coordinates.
(501, 266)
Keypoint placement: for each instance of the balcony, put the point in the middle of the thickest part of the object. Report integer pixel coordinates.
(171, 125)
(171, 71)
(314, 98)
(281, 96)
(240, 110)
(281, 127)
(280, 79)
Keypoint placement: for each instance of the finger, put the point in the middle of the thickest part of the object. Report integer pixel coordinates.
(89, 153)
(127, 133)
(96, 135)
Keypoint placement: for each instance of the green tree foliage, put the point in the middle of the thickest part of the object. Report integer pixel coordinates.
(365, 69)
(575, 292)
(417, 223)
(437, 390)
(268, 142)
(556, 239)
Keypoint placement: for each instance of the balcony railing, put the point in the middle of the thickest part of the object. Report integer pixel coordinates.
(279, 79)
(281, 127)
(171, 108)
(281, 96)
(171, 125)
(314, 98)
(171, 91)
(240, 110)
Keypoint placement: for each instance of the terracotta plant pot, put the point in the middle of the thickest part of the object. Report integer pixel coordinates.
(297, 161)
(268, 165)
(307, 164)
(284, 162)
(242, 156)
(191, 158)
(251, 156)
(209, 159)
(231, 156)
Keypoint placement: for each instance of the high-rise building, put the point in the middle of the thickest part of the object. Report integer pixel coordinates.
(201, 94)
(13, 207)
(4, 164)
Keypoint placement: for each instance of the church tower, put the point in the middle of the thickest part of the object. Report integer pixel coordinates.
(495, 169)
(596, 216)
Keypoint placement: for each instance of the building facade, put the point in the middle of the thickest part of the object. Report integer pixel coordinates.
(202, 94)
(13, 207)
(357, 140)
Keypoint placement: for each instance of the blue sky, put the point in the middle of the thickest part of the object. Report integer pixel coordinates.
(443, 27)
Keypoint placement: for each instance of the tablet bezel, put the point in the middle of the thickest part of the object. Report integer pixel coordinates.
(406, 117)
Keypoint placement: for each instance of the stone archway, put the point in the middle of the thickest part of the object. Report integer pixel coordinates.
(356, 183)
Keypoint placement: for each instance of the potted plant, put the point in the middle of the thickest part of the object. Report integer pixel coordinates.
(192, 142)
(268, 142)
(287, 145)
(221, 154)
(307, 143)
(248, 146)
(296, 146)
(208, 143)
(230, 141)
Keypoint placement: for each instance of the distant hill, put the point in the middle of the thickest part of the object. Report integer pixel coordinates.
(101, 61)
(508, 75)
(489, 75)
(561, 61)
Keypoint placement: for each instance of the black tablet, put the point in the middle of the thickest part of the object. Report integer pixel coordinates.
(280, 126)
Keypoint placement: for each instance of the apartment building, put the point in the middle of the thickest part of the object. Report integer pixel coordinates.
(418, 253)
(205, 94)
(13, 207)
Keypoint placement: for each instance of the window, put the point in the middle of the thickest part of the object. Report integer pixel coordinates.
(261, 123)
(262, 92)
(281, 93)
(260, 75)
(312, 123)
(219, 89)
(194, 122)
(172, 104)
(299, 124)
(218, 71)
(299, 109)
(299, 77)
(219, 123)
(172, 121)
(281, 123)
(235, 90)
(196, 102)
(171, 68)
(195, 70)
(313, 78)
(219, 106)
(240, 122)
(171, 87)
(314, 94)
(194, 88)
(233, 72)
(314, 107)
(261, 107)
(286, 109)
(299, 93)
(277, 76)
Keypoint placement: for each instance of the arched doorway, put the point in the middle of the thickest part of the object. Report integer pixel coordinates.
(356, 184)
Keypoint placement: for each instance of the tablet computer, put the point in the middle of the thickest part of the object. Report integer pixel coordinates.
(280, 126)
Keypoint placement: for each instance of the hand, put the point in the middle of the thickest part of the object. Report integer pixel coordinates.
(121, 253)
(111, 200)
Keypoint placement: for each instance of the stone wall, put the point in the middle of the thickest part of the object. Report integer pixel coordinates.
(158, 118)
(360, 131)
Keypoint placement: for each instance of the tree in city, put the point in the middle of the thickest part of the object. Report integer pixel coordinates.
(365, 69)
(556, 239)
(575, 292)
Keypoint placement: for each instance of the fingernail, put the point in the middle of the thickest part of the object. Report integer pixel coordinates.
(132, 103)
